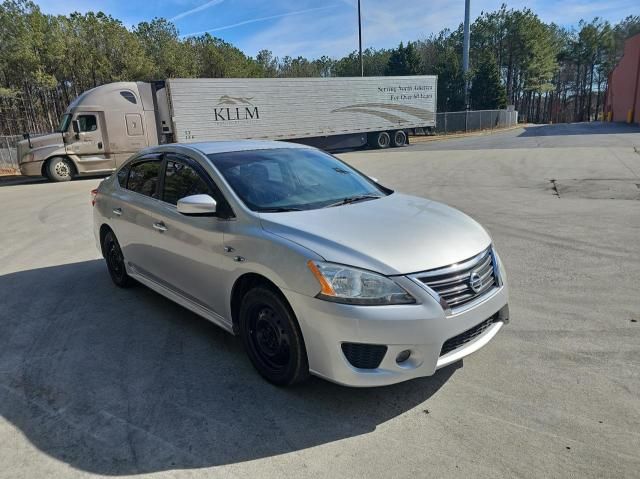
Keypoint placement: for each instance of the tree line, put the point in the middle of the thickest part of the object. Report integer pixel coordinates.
(547, 72)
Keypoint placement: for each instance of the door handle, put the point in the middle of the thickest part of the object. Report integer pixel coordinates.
(99, 145)
(160, 226)
(117, 211)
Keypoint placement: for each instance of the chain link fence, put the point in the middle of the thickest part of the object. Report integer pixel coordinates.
(478, 120)
(452, 122)
(8, 154)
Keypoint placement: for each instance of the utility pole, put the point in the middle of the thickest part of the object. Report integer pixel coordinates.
(360, 39)
(465, 51)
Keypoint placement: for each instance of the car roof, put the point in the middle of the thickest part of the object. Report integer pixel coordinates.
(212, 147)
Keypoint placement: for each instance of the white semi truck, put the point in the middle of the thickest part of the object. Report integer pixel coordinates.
(105, 125)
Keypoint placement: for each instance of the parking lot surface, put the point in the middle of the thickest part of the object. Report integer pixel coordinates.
(95, 380)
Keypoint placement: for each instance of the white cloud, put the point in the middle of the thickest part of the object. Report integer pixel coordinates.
(323, 28)
(256, 20)
(572, 11)
(310, 35)
(388, 22)
(197, 9)
(335, 33)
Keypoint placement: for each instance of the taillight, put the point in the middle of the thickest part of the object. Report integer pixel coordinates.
(94, 194)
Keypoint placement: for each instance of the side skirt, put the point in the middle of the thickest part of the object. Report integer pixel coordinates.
(176, 297)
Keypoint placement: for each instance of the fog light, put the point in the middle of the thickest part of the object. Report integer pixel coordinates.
(403, 356)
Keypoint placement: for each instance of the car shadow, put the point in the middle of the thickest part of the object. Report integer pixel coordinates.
(118, 382)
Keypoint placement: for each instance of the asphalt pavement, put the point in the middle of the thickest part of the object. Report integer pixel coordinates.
(95, 380)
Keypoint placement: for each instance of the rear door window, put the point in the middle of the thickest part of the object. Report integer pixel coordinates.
(144, 178)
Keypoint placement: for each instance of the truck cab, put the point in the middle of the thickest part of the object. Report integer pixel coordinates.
(99, 130)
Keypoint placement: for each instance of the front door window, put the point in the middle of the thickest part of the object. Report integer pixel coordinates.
(87, 123)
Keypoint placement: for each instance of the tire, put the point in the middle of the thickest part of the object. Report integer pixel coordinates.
(272, 338)
(399, 138)
(115, 261)
(379, 140)
(59, 169)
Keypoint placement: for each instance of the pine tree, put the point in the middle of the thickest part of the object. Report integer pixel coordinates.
(487, 92)
(404, 61)
(397, 64)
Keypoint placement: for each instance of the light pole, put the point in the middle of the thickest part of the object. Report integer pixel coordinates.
(360, 39)
(465, 51)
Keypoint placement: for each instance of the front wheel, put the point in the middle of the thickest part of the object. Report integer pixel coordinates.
(272, 338)
(59, 169)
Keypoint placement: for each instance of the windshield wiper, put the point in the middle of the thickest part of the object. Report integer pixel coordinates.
(278, 209)
(353, 199)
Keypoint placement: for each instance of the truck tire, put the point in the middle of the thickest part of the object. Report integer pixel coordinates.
(59, 169)
(380, 140)
(399, 138)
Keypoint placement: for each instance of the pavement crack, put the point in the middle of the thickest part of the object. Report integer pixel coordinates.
(554, 186)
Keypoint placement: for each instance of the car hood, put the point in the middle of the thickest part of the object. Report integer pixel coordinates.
(397, 234)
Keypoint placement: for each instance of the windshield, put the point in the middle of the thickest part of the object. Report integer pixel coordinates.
(286, 179)
(64, 123)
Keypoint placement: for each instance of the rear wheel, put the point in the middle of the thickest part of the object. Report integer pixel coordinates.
(380, 139)
(399, 138)
(272, 338)
(59, 169)
(115, 261)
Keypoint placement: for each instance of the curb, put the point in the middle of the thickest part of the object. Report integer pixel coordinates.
(424, 139)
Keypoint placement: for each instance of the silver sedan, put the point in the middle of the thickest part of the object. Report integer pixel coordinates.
(318, 268)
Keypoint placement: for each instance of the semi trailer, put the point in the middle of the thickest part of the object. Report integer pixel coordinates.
(104, 126)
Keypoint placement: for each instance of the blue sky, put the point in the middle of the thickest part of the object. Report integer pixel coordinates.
(312, 28)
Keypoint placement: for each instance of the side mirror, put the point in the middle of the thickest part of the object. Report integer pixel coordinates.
(27, 137)
(75, 124)
(197, 205)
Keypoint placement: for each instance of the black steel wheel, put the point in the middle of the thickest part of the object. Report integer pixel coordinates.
(115, 261)
(272, 338)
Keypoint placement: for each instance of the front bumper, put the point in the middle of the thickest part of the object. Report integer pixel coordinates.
(420, 328)
(31, 168)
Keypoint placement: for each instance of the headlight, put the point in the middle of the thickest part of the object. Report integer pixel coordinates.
(344, 284)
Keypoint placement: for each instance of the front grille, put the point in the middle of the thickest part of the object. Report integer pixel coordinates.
(364, 356)
(454, 283)
(469, 335)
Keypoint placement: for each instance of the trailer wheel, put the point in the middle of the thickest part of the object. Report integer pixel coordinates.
(379, 140)
(399, 138)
